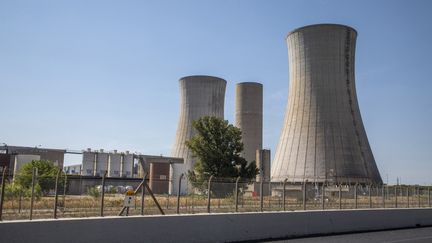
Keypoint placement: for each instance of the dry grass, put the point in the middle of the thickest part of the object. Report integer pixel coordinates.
(87, 206)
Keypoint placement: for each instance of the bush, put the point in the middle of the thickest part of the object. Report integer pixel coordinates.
(15, 190)
(94, 192)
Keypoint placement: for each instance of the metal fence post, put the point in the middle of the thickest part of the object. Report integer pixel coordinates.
(323, 196)
(396, 196)
(19, 203)
(261, 194)
(64, 192)
(418, 196)
(56, 193)
(355, 196)
(143, 192)
(283, 194)
(154, 198)
(209, 193)
(269, 195)
(103, 195)
(35, 170)
(3, 181)
(178, 193)
(340, 196)
(408, 197)
(429, 197)
(167, 201)
(304, 195)
(370, 195)
(236, 194)
(186, 203)
(193, 202)
(383, 196)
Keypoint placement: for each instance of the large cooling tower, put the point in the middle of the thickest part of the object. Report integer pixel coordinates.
(323, 138)
(200, 96)
(249, 117)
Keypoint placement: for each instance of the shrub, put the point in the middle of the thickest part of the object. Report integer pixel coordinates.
(94, 192)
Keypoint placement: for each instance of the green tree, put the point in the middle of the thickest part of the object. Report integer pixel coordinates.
(217, 146)
(46, 175)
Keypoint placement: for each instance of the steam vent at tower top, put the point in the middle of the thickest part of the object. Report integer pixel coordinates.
(323, 138)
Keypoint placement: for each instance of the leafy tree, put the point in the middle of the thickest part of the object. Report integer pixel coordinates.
(46, 175)
(217, 146)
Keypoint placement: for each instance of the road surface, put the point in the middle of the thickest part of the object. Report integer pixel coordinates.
(417, 235)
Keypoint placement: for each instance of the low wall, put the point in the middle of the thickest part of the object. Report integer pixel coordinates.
(212, 227)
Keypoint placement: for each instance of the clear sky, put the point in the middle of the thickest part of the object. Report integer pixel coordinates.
(104, 74)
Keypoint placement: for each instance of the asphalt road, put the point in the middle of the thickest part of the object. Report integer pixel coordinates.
(417, 235)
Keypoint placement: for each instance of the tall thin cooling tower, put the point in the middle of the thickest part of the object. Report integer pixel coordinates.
(323, 138)
(249, 117)
(200, 96)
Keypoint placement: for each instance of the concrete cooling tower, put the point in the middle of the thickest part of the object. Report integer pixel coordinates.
(199, 96)
(249, 117)
(323, 138)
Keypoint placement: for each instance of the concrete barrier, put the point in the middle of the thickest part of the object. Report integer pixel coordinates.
(212, 227)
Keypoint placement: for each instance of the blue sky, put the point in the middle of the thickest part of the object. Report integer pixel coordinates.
(104, 74)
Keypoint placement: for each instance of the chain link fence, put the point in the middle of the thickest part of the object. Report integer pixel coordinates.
(72, 196)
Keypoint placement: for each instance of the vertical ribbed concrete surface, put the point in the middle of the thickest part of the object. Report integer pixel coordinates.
(323, 138)
(199, 96)
(263, 157)
(249, 117)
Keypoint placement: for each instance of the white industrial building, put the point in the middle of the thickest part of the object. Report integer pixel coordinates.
(97, 162)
